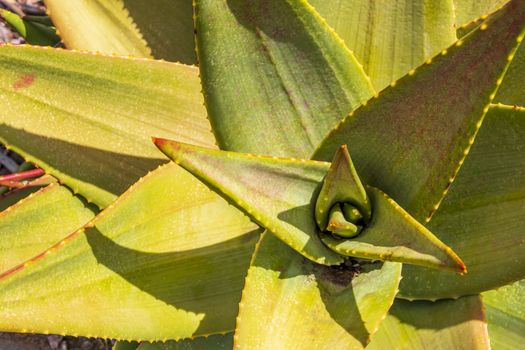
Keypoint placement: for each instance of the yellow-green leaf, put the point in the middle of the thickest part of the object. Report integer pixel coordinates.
(88, 119)
(160, 28)
(505, 309)
(37, 222)
(442, 325)
(167, 260)
(391, 37)
(291, 303)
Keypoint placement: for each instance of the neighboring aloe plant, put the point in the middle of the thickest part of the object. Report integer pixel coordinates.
(429, 172)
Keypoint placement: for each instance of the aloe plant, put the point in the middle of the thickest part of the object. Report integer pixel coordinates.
(351, 176)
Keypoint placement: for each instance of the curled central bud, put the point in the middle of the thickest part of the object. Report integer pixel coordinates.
(342, 208)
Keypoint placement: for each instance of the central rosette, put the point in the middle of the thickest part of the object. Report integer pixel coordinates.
(342, 208)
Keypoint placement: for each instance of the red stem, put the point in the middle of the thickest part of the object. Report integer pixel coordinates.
(22, 175)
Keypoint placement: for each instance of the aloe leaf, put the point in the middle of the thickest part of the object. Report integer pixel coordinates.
(443, 325)
(280, 194)
(166, 251)
(393, 235)
(103, 110)
(505, 308)
(212, 342)
(125, 345)
(390, 37)
(303, 305)
(276, 78)
(512, 89)
(33, 32)
(468, 10)
(483, 216)
(411, 141)
(12, 197)
(160, 28)
(32, 225)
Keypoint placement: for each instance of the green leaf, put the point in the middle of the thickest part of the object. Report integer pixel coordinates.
(411, 141)
(394, 235)
(512, 89)
(160, 28)
(469, 10)
(88, 119)
(276, 78)
(482, 216)
(125, 345)
(505, 309)
(291, 303)
(443, 325)
(33, 32)
(167, 260)
(280, 194)
(391, 37)
(213, 342)
(32, 225)
(12, 197)
(341, 185)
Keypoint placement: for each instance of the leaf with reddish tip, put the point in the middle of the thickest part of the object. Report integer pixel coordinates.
(394, 235)
(483, 215)
(303, 305)
(443, 325)
(410, 141)
(88, 119)
(276, 78)
(280, 194)
(168, 251)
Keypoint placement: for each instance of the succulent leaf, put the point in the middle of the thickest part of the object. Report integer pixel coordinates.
(166, 251)
(32, 225)
(253, 57)
(212, 342)
(102, 110)
(482, 216)
(411, 141)
(33, 32)
(390, 37)
(469, 10)
(303, 305)
(161, 28)
(505, 308)
(447, 324)
(394, 235)
(281, 194)
(342, 186)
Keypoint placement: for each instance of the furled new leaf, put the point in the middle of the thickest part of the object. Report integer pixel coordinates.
(103, 110)
(411, 141)
(280, 194)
